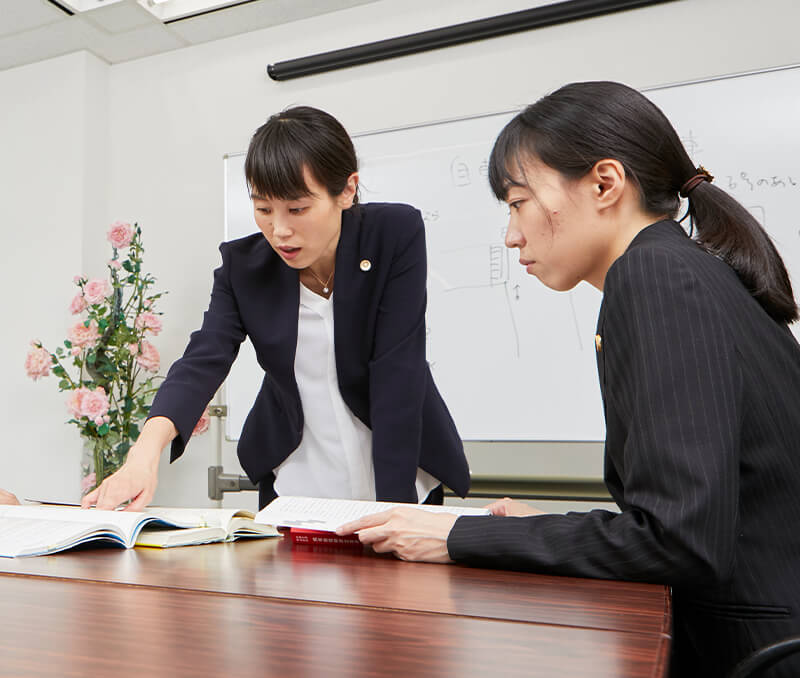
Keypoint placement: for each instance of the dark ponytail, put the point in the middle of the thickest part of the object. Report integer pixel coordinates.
(576, 126)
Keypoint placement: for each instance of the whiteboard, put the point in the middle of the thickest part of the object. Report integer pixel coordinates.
(514, 360)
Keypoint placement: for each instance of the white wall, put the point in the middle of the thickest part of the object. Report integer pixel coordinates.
(172, 117)
(53, 148)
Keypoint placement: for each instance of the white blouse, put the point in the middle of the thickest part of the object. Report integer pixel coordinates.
(334, 458)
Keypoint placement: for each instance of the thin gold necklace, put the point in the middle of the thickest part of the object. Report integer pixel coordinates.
(325, 285)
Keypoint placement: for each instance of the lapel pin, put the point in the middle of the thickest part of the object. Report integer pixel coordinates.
(598, 342)
(365, 265)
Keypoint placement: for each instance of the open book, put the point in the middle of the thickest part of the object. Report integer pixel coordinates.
(326, 515)
(200, 526)
(41, 530)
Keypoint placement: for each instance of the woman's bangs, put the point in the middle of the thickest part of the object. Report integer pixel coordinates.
(274, 169)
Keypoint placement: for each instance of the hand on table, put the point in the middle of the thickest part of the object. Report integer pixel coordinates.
(135, 481)
(408, 533)
(8, 498)
(509, 507)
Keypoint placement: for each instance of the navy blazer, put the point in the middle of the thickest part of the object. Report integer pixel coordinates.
(379, 305)
(701, 390)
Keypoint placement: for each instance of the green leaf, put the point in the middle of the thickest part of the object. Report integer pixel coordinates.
(63, 385)
(127, 266)
(91, 358)
(133, 431)
(67, 343)
(102, 430)
(103, 322)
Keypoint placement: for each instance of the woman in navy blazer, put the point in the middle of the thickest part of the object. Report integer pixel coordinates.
(302, 172)
(699, 372)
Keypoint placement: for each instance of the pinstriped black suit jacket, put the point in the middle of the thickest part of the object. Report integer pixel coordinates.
(701, 390)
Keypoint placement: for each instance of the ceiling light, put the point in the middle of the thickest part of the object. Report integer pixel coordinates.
(170, 10)
(86, 5)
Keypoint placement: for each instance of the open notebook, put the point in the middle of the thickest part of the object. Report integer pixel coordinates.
(41, 530)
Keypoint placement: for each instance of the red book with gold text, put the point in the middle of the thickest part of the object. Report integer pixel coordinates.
(322, 538)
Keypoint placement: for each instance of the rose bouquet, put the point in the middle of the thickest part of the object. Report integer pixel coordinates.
(113, 363)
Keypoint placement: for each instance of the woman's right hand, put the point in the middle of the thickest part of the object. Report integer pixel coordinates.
(137, 480)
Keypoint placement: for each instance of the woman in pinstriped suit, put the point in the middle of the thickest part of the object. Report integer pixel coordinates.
(699, 372)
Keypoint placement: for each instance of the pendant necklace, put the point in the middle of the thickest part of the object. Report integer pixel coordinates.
(325, 285)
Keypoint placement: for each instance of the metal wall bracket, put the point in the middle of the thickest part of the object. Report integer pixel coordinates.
(219, 482)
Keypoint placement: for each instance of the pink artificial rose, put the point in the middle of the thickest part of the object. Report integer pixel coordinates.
(120, 234)
(81, 336)
(78, 304)
(148, 358)
(94, 405)
(88, 482)
(37, 363)
(75, 351)
(114, 263)
(148, 321)
(202, 424)
(75, 401)
(96, 290)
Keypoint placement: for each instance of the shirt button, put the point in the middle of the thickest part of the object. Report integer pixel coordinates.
(365, 265)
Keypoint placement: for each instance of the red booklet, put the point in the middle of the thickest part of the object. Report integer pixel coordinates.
(322, 538)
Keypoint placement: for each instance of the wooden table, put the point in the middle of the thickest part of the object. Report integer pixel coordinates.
(263, 608)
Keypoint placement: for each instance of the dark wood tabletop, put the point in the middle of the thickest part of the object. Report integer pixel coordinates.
(75, 628)
(266, 608)
(273, 568)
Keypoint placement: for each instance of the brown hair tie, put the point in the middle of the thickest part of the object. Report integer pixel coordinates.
(702, 175)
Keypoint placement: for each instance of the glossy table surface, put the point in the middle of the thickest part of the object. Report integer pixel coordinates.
(265, 608)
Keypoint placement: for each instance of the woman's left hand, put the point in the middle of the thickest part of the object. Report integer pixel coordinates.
(408, 533)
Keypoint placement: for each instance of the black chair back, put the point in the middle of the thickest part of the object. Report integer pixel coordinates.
(764, 658)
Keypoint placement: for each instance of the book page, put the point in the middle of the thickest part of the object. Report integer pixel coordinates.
(21, 536)
(198, 517)
(125, 521)
(165, 538)
(244, 527)
(327, 514)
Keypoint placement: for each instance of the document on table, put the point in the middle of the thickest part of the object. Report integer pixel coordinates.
(315, 513)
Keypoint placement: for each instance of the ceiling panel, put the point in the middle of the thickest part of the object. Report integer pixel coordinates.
(121, 17)
(137, 44)
(120, 30)
(254, 16)
(23, 15)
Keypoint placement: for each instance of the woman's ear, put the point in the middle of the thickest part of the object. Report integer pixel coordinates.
(608, 180)
(347, 196)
